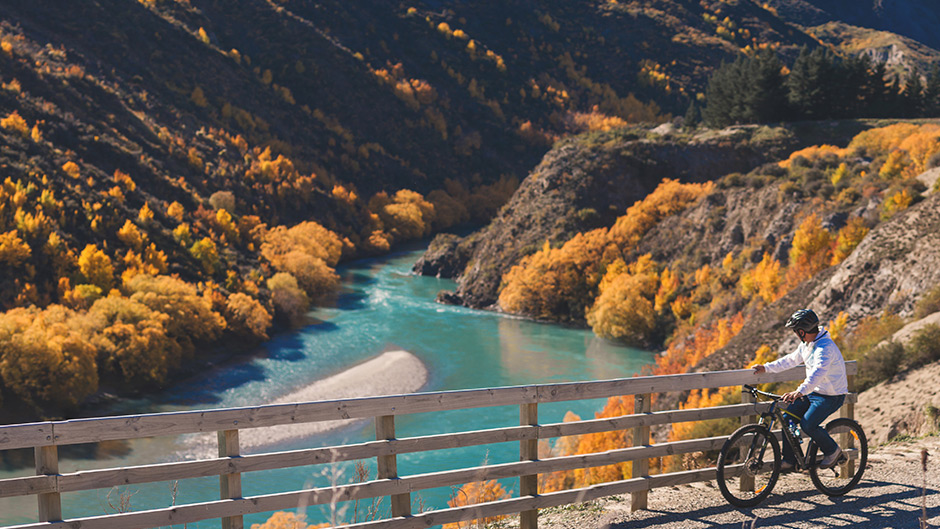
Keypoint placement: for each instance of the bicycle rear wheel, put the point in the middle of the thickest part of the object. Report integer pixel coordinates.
(748, 465)
(841, 478)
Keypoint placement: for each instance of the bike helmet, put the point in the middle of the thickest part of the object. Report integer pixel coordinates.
(803, 320)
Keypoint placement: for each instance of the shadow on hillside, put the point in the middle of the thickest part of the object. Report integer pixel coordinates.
(863, 508)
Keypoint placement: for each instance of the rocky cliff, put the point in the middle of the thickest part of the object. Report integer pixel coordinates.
(587, 182)
(893, 266)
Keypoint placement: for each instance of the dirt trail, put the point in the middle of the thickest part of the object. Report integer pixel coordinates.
(889, 496)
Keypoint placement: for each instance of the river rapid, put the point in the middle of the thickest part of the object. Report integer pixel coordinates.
(382, 306)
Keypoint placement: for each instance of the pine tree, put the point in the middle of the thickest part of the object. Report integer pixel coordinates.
(932, 93)
(811, 83)
(765, 96)
(692, 116)
(913, 95)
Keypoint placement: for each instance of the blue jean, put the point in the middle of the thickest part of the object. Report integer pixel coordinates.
(814, 409)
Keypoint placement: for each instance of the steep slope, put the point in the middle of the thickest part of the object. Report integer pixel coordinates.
(587, 182)
(897, 262)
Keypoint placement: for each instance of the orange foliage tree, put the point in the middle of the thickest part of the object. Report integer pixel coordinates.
(474, 493)
(848, 238)
(811, 251)
(560, 283)
(763, 280)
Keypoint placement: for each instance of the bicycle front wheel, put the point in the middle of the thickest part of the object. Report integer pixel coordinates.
(748, 465)
(841, 478)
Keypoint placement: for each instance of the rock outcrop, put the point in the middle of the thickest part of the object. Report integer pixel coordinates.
(897, 262)
(587, 182)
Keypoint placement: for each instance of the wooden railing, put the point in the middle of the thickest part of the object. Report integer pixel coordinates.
(49, 483)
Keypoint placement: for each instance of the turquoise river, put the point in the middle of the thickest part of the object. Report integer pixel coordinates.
(382, 306)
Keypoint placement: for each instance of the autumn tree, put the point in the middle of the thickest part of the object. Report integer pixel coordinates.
(811, 251)
(246, 317)
(95, 266)
(191, 318)
(763, 280)
(848, 238)
(625, 308)
(46, 357)
(290, 301)
(132, 341)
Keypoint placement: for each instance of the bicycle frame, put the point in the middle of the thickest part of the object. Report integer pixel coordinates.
(774, 416)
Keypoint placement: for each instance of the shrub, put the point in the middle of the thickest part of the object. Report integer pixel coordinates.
(290, 302)
(132, 341)
(223, 200)
(924, 347)
(191, 318)
(928, 303)
(246, 316)
(881, 363)
(46, 356)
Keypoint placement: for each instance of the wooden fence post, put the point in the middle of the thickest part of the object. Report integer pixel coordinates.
(230, 485)
(845, 438)
(641, 437)
(388, 466)
(529, 451)
(50, 503)
(747, 482)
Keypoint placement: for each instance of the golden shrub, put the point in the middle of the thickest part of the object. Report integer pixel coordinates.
(191, 318)
(290, 301)
(246, 316)
(46, 357)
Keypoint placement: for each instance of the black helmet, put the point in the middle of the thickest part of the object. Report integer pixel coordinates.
(803, 320)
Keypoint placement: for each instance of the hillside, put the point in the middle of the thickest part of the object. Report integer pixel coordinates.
(587, 182)
(915, 19)
(900, 54)
(180, 176)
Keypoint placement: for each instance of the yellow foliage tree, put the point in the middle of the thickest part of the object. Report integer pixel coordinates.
(15, 123)
(13, 251)
(132, 341)
(246, 316)
(896, 203)
(811, 251)
(191, 318)
(130, 235)
(625, 309)
(290, 301)
(206, 252)
(96, 266)
(763, 280)
(46, 357)
(848, 238)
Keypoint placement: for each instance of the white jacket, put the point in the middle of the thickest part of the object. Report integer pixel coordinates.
(825, 367)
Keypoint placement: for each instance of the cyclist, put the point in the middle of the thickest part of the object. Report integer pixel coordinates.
(823, 391)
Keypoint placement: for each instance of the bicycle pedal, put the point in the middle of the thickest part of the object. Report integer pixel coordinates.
(842, 459)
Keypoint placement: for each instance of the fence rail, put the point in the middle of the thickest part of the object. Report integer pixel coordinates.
(49, 483)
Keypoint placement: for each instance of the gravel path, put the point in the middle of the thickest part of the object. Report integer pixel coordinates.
(889, 496)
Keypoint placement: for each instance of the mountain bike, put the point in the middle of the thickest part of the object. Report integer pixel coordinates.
(749, 461)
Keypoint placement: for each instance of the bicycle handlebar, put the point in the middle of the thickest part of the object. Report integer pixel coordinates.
(754, 391)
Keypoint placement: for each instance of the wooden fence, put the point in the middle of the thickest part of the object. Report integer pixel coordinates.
(48, 483)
